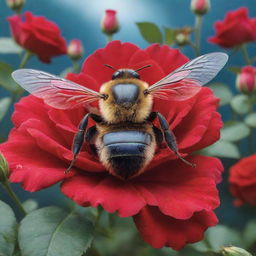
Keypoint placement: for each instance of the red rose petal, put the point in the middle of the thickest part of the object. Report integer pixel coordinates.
(160, 230)
(177, 193)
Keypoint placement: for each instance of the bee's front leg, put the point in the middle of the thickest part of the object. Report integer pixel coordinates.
(169, 136)
(79, 137)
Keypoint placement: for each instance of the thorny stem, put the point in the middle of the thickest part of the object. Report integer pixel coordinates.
(245, 55)
(198, 25)
(13, 196)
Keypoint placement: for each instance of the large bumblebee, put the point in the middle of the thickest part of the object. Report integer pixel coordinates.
(124, 135)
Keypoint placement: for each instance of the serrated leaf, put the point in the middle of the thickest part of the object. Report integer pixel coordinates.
(150, 32)
(220, 236)
(240, 104)
(234, 131)
(169, 36)
(250, 120)
(6, 80)
(52, 231)
(222, 149)
(8, 45)
(4, 106)
(223, 92)
(8, 230)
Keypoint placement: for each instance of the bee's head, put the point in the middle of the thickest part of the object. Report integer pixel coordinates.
(125, 73)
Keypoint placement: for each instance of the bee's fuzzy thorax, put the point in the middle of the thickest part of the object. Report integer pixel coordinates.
(115, 113)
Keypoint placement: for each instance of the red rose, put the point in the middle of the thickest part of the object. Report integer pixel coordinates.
(38, 35)
(236, 29)
(243, 181)
(246, 80)
(170, 197)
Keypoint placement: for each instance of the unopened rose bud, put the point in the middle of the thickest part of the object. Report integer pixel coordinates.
(15, 5)
(182, 36)
(4, 169)
(109, 23)
(200, 7)
(234, 251)
(75, 49)
(246, 80)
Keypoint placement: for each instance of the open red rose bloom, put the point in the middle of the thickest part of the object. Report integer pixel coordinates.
(172, 203)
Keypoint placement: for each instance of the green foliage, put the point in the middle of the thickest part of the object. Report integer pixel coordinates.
(53, 231)
(6, 80)
(223, 92)
(150, 32)
(30, 205)
(222, 149)
(8, 45)
(241, 104)
(169, 36)
(234, 131)
(250, 120)
(4, 106)
(8, 227)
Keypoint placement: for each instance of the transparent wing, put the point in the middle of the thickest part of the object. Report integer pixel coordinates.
(55, 91)
(185, 81)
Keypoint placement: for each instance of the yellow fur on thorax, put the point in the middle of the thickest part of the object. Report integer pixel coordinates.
(114, 113)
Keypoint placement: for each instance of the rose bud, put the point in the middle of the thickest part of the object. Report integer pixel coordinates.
(200, 7)
(182, 36)
(234, 251)
(75, 49)
(15, 5)
(4, 169)
(246, 80)
(109, 23)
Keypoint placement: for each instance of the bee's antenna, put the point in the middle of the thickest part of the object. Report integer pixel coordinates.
(109, 66)
(147, 66)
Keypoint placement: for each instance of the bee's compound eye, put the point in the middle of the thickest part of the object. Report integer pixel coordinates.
(118, 74)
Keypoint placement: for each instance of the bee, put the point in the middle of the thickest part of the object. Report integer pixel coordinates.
(124, 136)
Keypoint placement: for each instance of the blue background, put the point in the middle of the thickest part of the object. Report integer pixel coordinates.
(81, 18)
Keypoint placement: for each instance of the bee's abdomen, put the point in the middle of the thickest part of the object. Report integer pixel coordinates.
(126, 151)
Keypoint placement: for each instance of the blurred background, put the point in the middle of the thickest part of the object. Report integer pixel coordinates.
(81, 19)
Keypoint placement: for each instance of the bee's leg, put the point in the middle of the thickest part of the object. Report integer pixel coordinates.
(90, 133)
(79, 137)
(170, 138)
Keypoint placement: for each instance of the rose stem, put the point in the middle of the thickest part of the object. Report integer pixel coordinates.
(25, 59)
(250, 138)
(13, 196)
(245, 55)
(198, 25)
(109, 38)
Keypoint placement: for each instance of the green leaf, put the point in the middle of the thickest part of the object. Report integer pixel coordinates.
(8, 230)
(234, 131)
(169, 36)
(240, 104)
(6, 80)
(249, 234)
(222, 236)
(66, 71)
(4, 106)
(8, 45)
(235, 70)
(53, 231)
(30, 205)
(250, 120)
(222, 149)
(223, 92)
(150, 32)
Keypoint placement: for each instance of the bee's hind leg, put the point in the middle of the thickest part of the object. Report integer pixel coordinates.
(79, 137)
(170, 138)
